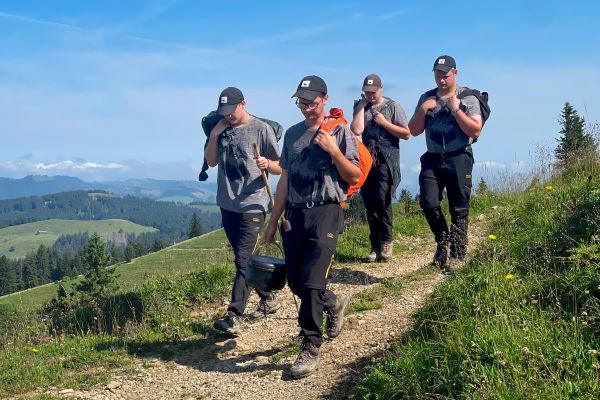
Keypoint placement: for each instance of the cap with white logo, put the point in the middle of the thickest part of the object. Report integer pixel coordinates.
(228, 100)
(444, 63)
(311, 87)
(371, 83)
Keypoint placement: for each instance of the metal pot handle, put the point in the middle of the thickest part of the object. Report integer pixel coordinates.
(259, 245)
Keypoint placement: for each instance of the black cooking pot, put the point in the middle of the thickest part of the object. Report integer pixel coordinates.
(266, 273)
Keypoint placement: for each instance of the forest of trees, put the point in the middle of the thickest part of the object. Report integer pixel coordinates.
(169, 218)
(66, 258)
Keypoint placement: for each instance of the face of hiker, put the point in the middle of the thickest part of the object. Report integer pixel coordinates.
(374, 97)
(235, 118)
(445, 80)
(312, 109)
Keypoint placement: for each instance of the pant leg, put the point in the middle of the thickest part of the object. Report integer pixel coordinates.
(310, 258)
(431, 185)
(459, 185)
(377, 196)
(242, 230)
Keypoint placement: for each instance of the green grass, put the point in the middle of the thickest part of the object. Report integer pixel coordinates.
(522, 319)
(372, 298)
(207, 207)
(205, 250)
(155, 319)
(19, 240)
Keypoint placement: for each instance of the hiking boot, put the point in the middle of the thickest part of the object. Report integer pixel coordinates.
(265, 307)
(447, 270)
(335, 317)
(372, 257)
(386, 251)
(306, 362)
(441, 255)
(230, 323)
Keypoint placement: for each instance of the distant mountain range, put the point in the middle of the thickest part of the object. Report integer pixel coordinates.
(166, 190)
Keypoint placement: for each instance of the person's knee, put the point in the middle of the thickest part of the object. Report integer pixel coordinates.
(457, 213)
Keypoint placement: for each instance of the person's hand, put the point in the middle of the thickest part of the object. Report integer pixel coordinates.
(453, 102)
(379, 118)
(429, 104)
(269, 235)
(262, 163)
(326, 141)
(220, 127)
(362, 103)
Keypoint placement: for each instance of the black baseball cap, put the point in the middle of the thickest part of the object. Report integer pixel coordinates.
(311, 87)
(371, 83)
(444, 63)
(228, 100)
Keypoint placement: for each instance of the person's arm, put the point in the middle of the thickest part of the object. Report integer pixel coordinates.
(281, 198)
(211, 152)
(401, 132)
(270, 166)
(470, 124)
(416, 125)
(357, 126)
(349, 172)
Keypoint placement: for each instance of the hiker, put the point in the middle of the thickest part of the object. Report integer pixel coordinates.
(381, 122)
(241, 193)
(317, 167)
(451, 125)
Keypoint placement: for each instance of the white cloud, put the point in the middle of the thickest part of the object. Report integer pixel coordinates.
(490, 165)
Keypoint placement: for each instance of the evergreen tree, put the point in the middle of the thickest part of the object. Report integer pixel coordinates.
(406, 199)
(574, 142)
(195, 227)
(8, 276)
(482, 187)
(100, 281)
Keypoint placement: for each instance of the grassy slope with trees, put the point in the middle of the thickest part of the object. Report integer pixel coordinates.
(19, 240)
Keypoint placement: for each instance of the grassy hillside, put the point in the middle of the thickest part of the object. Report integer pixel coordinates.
(522, 319)
(179, 259)
(16, 241)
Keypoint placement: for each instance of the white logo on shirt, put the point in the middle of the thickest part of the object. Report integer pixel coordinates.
(224, 100)
(369, 81)
(305, 84)
(442, 61)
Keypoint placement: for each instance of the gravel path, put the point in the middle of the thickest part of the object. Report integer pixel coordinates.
(254, 365)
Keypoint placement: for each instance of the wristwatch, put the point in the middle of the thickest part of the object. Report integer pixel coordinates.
(453, 112)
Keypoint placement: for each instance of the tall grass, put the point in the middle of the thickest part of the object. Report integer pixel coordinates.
(522, 319)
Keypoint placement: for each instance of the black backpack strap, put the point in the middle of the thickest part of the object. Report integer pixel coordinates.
(432, 92)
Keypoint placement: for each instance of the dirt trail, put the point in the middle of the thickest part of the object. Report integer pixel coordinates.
(254, 365)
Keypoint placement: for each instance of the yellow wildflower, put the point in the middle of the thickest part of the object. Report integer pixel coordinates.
(549, 188)
(509, 277)
(95, 318)
(586, 291)
(492, 237)
(35, 350)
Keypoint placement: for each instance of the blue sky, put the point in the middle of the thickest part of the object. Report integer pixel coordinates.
(111, 89)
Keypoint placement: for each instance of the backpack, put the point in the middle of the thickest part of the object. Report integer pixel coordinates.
(365, 162)
(209, 122)
(482, 97)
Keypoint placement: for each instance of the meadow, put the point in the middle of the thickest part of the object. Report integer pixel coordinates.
(19, 240)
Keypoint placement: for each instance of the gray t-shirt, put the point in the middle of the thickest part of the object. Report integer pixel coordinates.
(312, 176)
(441, 129)
(391, 110)
(241, 187)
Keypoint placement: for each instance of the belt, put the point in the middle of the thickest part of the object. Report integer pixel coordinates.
(311, 204)
(450, 153)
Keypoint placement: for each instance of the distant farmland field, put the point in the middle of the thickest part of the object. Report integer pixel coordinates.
(16, 241)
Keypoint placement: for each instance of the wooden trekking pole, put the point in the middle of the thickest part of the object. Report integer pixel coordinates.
(284, 222)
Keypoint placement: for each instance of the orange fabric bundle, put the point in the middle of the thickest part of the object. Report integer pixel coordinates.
(336, 117)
